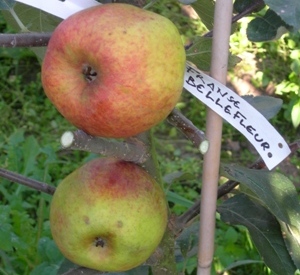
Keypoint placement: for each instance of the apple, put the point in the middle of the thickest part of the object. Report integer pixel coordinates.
(114, 70)
(108, 215)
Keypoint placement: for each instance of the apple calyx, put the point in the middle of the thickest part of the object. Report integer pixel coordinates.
(99, 242)
(89, 73)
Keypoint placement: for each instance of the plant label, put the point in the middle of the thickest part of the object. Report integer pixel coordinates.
(60, 8)
(239, 113)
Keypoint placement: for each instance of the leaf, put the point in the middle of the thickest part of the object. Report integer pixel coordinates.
(264, 229)
(268, 106)
(5, 237)
(205, 9)
(44, 268)
(188, 240)
(296, 114)
(187, 2)
(200, 52)
(69, 268)
(266, 28)
(48, 251)
(31, 150)
(278, 194)
(179, 200)
(288, 10)
(7, 4)
(241, 5)
(177, 176)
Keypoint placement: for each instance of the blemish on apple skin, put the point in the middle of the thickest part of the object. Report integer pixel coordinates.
(86, 220)
(119, 224)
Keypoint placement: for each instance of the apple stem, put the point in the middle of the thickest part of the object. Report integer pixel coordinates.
(196, 136)
(132, 149)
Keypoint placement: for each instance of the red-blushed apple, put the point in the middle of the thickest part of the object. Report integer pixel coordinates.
(114, 70)
(108, 215)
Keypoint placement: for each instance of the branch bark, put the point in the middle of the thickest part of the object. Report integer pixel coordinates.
(37, 185)
(197, 137)
(32, 39)
(132, 149)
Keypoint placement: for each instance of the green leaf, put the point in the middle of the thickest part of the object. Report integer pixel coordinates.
(264, 229)
(188, 240)
(31, 149)
(278, 194)
(34, 19)
(241, 5)
(69, 268)
(200, 52)
(266, 28)
(45, 268)
(288, 10)
(205, 9)
(268, 106)
(179, 200)
(5, 228)
(177, 176)
(48, 251)
(5, 237)
(7, 4)
(296, 114)
(14, 152)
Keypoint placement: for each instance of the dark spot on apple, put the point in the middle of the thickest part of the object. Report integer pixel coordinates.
(86, 219)
(119, 224)
(124, 31)
(99, 242)
(89, 73)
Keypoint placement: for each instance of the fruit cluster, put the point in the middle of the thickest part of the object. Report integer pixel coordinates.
(114, 71)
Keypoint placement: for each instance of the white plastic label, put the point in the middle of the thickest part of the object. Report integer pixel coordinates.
(240, 114)
(60, 8)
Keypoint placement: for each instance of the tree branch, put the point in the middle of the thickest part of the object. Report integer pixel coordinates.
(33, 39)
(197, 137)
(132, 149)
(37, 185)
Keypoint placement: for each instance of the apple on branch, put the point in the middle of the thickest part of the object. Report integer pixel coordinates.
(114, 70)
(108, 215)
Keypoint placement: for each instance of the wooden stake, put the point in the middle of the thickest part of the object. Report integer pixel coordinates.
(210, 178)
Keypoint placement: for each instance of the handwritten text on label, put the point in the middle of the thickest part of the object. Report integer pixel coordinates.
(252, 124)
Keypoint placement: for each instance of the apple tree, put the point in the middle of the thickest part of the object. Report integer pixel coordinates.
(146, 71)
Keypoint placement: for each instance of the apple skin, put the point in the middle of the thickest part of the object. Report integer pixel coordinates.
(108, 215)
(139, 59)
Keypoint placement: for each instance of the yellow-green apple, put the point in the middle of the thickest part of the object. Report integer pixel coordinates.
(108, 215)
(114, 70)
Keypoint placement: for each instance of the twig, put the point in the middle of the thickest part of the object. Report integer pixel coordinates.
(197, 137)
(38, 185)
(194, 210)
(132, 149)
(32, 39)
